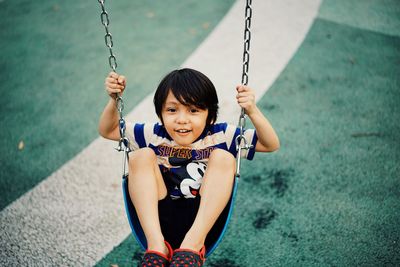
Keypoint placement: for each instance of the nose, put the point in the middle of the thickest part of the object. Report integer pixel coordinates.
(182, 118)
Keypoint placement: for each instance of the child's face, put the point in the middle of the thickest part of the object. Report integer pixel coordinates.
(183, 123)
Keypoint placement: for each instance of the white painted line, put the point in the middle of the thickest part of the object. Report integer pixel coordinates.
(76, 216)
(278, 28)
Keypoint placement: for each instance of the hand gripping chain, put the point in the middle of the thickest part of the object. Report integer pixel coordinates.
(241, 142)
(123, 144)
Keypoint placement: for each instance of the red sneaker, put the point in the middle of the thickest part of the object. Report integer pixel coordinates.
(188, 258)
(153, 258)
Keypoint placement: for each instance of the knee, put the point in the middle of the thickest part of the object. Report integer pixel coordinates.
(142, 156)
(223, 158)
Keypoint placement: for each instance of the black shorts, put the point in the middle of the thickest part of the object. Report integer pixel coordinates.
(177, 216)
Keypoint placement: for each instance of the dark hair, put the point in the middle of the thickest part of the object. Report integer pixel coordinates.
(190, 87)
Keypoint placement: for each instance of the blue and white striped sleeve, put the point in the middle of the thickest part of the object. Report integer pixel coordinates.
(232, 132)
(135, 132)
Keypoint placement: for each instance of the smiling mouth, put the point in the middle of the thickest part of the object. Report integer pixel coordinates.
(182, 131)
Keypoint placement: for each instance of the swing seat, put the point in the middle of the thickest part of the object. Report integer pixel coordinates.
(214, 237)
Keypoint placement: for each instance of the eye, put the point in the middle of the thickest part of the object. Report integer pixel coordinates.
(169, 109)
(194, 110)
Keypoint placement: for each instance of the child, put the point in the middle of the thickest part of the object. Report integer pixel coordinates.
(181, 172)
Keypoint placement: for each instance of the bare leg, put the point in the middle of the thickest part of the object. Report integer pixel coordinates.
(146, 187)
(215, 193)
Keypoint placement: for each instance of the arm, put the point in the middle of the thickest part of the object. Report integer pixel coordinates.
(108, 123)
(268, 141)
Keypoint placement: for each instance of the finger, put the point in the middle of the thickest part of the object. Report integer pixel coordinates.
(239, 88)
(244, 88)
(111, 91)
(245, 99)
(113, 75)
(110, 80)
(112, 83)
(243, 105)
(116, 86)
(244, 95)
(121, 79)
(240, 94)
(241, 99)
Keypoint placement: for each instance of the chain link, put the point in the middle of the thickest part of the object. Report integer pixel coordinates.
(240, 141)
(105, 20)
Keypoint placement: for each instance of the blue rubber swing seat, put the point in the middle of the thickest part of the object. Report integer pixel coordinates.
(214, 237)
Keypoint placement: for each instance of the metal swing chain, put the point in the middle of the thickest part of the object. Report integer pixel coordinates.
(123, 144)
(241, 142)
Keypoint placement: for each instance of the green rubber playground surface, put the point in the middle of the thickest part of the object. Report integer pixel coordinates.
(329, 197)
